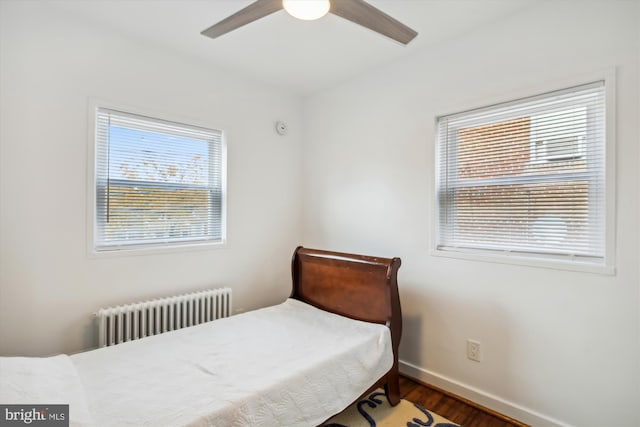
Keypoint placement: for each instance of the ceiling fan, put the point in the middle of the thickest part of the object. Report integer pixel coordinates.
(358, 11)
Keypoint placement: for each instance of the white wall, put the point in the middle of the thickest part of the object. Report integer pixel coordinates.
(558, 347)
(50, 65)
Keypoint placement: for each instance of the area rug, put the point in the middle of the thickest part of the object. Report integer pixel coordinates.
(375, 411)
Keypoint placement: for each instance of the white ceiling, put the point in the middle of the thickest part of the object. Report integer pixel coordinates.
(301, 56)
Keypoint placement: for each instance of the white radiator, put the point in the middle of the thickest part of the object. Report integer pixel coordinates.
(133, 321)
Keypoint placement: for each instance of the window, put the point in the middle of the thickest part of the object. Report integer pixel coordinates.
(525, 179)
(156, 182)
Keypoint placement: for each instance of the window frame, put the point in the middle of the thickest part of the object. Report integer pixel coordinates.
(541, 260)
(173, 244)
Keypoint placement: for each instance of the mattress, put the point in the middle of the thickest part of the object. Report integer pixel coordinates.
(286, 365)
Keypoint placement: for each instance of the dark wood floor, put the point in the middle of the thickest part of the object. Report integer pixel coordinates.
(449, 407)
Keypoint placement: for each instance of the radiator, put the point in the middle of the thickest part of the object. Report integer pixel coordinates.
(133, 321)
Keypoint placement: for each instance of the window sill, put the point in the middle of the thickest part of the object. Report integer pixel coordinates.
(156, 249)
(532, 260)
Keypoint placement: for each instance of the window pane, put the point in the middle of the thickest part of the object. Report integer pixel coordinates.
(145, 156)
(549, 218)
(147, 213)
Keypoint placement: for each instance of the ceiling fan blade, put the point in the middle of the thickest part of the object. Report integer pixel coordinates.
(256, 10)
(364, 14)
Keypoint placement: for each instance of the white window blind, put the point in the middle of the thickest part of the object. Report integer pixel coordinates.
(525, 178)
(157, 182)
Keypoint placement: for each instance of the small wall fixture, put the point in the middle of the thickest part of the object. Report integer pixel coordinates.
(307, 10)
(281, 128)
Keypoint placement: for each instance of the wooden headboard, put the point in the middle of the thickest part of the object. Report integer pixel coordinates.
(356, 286)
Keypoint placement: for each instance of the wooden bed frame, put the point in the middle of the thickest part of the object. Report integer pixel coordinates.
(356, 286)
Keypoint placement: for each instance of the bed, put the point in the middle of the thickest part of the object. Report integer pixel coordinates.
(294, 364)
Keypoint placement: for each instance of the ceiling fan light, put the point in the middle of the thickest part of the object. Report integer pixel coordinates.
(307, 10)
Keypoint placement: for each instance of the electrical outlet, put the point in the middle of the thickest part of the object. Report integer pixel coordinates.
(473, 350)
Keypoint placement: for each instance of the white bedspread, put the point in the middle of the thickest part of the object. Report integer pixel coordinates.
(44, 381)
(288, 365)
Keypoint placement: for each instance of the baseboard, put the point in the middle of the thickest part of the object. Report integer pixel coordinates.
(493, 403)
